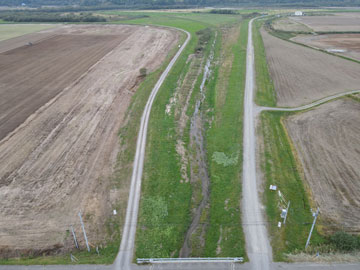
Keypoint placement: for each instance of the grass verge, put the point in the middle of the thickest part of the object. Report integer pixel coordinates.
(224, 143)
(265, 91)
(281, 168)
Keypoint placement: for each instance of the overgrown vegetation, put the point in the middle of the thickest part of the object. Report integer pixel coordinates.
(224, 144)
(162, 183)
(345, 242)
(265, 91)
(281, 168)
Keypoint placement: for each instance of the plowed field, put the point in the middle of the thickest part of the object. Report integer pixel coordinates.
(343, 44)
(302, 75)
(63, 101)
(337, 22)
(327, 140)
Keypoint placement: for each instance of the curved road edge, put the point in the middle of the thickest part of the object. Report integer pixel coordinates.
(125, 255)
(307, 106)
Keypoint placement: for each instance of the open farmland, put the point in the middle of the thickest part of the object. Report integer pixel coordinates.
(337, 22)
(342, 44)
(302, 75)
(287, 24)
(327, 140)
(68, 95)
(8, 31)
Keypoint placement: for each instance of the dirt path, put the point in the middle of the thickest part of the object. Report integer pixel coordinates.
(61, 159)
(124, 259)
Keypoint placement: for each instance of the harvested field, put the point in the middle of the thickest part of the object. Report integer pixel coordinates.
(287, 24)
(302, 75)
(343, 44)
(327, 140)
(338, 22)
(70, 92)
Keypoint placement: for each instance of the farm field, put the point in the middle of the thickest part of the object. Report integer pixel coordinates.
(288, 24)
(343, 44)
(8, 31)
(327, 140)
(302, 75)
(71, 91)
(336, 22)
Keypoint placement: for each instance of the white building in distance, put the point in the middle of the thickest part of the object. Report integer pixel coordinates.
(298, 13)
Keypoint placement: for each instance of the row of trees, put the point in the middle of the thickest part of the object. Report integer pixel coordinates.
(49, 17)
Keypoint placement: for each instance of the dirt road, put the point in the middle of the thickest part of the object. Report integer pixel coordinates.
(125, 255)
(61, 159)
(257, 241)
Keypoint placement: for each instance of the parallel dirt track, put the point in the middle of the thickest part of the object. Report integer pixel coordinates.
(327, 140)
(302, 75)
(61, 159)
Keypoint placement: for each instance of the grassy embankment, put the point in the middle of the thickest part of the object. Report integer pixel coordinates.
(224, 144)
(265, 92)
(166, 200)
(280, 167)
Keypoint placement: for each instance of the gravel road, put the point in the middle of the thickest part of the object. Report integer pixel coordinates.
(257, 241)
(125, 255)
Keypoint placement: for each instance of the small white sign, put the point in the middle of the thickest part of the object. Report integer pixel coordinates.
(273, 187)
(114, 212)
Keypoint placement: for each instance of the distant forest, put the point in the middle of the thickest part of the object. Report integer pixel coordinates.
(178, 3)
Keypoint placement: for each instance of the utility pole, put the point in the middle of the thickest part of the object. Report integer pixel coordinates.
(287, 211)
(75, 240)
(312, 227)
(83, 228)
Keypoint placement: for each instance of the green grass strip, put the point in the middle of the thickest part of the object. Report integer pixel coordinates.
(265, 91)
(224, 141)
(281, 169)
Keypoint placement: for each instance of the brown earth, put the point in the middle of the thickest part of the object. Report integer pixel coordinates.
(287, 24)
(337, 22)
(349, 43)
(61, 158)
(327, 140)
(302, 75)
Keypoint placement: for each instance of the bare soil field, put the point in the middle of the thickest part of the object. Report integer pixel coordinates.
(343, 44)
(337, 22)
(287, 24)
(68, 95)
(327, 140)
(302, 75)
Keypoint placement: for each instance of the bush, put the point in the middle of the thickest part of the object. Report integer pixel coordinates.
(143, 72)
(345, 242)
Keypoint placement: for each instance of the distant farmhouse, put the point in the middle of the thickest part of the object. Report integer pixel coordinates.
(298, 13)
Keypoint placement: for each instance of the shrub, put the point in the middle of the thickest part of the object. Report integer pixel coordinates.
(345, 241)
